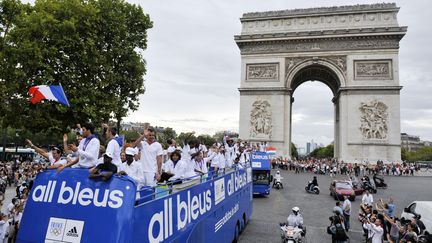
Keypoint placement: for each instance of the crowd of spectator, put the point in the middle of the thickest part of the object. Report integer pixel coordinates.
(332, 167)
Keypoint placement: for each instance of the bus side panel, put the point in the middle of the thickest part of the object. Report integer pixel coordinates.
(222, 224)
(69, 207)
(179, 217)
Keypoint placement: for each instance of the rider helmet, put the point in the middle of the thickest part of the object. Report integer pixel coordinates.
(277, 172)
(295, 210)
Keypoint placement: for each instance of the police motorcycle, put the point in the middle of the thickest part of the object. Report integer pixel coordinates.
(277, 183)
(367, 185)
(293, 231)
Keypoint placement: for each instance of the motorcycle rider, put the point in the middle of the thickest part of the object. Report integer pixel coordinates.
(277, 179)
(313, 183)
(295, 219)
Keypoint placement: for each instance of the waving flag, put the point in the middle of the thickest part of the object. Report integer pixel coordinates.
(271, 151)
(45, 92)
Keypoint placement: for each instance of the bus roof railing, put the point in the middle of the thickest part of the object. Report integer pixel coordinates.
(167, 188)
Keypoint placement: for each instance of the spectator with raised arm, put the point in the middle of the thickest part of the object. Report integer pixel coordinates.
(54, 156)
(88, 149)
(151, 156)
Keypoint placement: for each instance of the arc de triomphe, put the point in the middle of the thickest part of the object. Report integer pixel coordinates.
(351, 49)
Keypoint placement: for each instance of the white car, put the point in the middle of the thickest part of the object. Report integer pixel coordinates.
(423, 208)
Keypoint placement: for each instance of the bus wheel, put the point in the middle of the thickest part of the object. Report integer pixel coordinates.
(244, 222)
(236, 232)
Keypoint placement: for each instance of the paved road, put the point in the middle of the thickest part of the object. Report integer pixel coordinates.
(316, 209)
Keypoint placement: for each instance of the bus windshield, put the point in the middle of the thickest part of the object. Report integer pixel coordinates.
(261, 177)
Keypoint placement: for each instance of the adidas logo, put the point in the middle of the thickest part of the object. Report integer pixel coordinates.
(72, 232)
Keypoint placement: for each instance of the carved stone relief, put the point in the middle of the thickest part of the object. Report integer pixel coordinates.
(261, 119)
(262, 47)
(268, 71)
(373, 69)
(374, 120)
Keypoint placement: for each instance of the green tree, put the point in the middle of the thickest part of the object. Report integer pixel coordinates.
(294, 152)
(324, 152)
(206, 139)
(91, 47)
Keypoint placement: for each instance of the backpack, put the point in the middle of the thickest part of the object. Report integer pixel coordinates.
(340, 233)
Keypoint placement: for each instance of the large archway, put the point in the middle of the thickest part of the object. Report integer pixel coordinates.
(352, 49)
(314, 71)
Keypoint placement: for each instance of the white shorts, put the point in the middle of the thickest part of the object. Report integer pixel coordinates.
(149, 179)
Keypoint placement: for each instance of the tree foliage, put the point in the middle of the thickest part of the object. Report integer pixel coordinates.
(423, 154)
(91, 47)
(324, 152)
(294, 152)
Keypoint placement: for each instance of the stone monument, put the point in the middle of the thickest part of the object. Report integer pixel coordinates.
(352, 49)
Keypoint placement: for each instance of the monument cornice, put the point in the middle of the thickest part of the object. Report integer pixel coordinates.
(323, 34)
(264, 91)
(321, 11)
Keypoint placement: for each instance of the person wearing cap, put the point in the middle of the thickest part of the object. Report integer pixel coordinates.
(131, 167)
(54, 157)
(104, 170)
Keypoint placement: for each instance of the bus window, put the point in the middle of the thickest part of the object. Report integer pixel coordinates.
(261, 177)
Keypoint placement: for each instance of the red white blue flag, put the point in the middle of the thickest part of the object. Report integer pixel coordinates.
(48, 92)
(271, 151)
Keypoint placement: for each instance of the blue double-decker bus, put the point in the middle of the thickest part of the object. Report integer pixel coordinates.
(69, 207)
(261, 173)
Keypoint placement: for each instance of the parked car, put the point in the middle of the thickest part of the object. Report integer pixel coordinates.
(340, 188)
(422, 208)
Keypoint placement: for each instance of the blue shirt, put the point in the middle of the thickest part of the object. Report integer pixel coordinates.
(390, 210)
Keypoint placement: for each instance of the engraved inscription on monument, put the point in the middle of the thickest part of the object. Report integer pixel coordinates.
(268, 71)
(261, 119)
(379, 69)
(374, 120)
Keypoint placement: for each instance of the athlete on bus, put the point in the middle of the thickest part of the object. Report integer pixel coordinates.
(175, 168)
(132, 168)
(105, 170)
(55, 156)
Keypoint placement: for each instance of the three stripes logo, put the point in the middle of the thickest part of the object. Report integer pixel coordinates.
(72, 232)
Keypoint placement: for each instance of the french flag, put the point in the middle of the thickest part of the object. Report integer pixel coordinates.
(271, 151)
(48, 92)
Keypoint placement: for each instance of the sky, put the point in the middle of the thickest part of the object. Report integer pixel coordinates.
(193, 68)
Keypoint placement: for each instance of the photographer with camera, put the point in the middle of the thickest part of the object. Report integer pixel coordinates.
(336, 229)
(375, 230)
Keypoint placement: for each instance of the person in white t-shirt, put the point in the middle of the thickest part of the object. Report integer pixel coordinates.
(175, 168)
(200, 164)
(55, 156)
(132, 168)
(151, 156)
(114, 145)
(367, 198)
(229, 151)
(88, 149)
